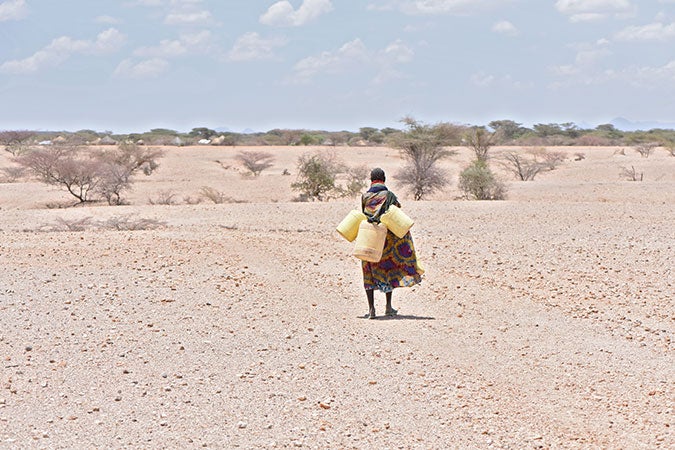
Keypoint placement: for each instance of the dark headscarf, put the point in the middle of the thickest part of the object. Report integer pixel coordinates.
(377, 174)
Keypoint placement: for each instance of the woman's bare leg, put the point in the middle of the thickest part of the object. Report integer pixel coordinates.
(370, 295)
(389, 311)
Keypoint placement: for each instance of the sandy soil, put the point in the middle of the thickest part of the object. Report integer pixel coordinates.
(543, 321)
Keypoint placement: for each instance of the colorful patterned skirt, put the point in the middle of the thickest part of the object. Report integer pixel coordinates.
(397, 268)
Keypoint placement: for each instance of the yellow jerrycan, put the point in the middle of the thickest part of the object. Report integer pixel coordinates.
(349, 227)
(370, 241)
(396, 221)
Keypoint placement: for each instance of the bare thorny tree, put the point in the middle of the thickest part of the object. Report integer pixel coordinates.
(423, 147)
(255, 161)
(525, 169)
(86, 174)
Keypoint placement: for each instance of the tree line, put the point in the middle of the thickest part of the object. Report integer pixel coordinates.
(508, 132)
(91, 173)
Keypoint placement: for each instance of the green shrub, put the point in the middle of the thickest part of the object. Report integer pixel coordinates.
(477, 182)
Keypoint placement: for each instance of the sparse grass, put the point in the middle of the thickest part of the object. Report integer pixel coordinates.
(118, 223)
(214, 195)
(163, 198)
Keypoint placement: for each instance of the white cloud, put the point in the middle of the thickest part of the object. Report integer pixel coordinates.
(62, 48)
(150, 68)
(396, 53)
(108, 41)
(166, 49)
(191, 43)
(282, 13)
(188, 18)
(418, 7)
(644, 77)
(585, 61)
(482, 79)
(505, 27)
(13, 10)
(197, 41)
(148, 2)
(187, 12)
(591, 10)
(251, 46)
(650, 32)
(351, 53)
(109, 20)
(354, 56)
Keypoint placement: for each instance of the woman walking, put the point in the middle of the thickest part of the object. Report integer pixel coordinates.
(398, 266)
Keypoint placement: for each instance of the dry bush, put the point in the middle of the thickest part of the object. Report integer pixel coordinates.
(13, 174)
(62, 224)
(214, 195)
(130, 223)
(189, 200)
(646, 149)
(631, 174)
(357, 180)
(163, 198)
(670, 148)
(122, 223)
(255, 161)
(16, 142)
(548, 160)
(524, 169)
(552, 160)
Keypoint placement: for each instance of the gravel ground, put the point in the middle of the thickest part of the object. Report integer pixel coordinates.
(545, 321)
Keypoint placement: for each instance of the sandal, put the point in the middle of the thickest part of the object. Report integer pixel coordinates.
(391, 312)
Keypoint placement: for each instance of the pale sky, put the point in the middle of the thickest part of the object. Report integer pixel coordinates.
(133, 65)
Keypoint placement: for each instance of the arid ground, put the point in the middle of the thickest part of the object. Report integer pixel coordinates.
(544, 321)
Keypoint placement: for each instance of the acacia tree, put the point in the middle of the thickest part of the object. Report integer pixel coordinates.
(255, 161)
(64, 165)
(525, 169)
(423, 148)
(480, 141)
(15, 141)
(86, 174)
(117, 167)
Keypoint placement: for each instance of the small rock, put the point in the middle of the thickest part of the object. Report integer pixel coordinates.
(242, 425)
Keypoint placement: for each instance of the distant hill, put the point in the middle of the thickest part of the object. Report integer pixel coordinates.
(626, 125)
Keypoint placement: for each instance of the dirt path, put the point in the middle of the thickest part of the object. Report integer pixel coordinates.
(226, 329)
